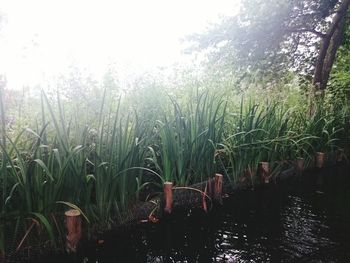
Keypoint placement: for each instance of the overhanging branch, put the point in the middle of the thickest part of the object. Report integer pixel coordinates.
(306, 30)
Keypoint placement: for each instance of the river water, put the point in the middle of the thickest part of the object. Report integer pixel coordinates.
(304, 220)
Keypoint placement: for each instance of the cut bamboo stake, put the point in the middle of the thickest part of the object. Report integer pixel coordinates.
(319, 159)
(264, 172)
(168, 196)
(73, 225)
(218, 187)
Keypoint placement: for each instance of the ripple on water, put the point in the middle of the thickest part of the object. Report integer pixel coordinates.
(284, 225)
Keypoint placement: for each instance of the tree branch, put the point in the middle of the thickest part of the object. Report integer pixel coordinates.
(305, 30)
(329, 46)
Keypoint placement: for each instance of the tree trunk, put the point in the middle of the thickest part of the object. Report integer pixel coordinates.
(329, 47)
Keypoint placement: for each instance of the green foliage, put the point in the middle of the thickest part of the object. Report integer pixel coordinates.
(99, 160)
(96, 149)
(120, 145)
(340, 77)
(188, 136)
(266, 39)
(258, 133)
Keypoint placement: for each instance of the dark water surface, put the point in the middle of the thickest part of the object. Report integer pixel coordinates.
(297, 221)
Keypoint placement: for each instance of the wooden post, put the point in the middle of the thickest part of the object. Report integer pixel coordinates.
(73, 225)
(264, 172)
(168, 196)
(320, 159)
(218, 187)
(300, 164)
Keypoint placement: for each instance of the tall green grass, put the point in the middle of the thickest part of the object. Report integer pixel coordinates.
(61, 163)
(99, 160)
(324, 130)
(187, 139)
(257, 133)
(120, 146)
(43, 175)
(3, 171)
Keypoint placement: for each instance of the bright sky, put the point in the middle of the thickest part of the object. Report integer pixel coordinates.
(42, 38)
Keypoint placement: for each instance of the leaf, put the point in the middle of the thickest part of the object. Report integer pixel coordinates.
(47, 225)
(44, 167)
(11, 193)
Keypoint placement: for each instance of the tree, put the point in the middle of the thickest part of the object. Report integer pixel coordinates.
(340, 78)
(277, 36)
(329, 45)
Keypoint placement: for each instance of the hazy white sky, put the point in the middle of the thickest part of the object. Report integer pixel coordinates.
(41, 38)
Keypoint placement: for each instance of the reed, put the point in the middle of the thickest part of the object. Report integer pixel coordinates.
(243, 142)
(188, 138)
(3, 170)
(119, 146)
(99, 160)
(43, 175)
(259, 132)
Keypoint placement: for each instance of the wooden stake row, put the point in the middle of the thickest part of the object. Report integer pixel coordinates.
(168, 193)
(74, 221)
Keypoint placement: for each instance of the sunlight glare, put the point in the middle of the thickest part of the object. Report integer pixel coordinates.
(41, 39)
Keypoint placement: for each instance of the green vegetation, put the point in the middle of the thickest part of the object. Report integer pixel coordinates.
(187, 139)
(99, 163)
(101, 150)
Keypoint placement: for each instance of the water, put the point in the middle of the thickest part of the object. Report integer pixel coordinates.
(305, 221)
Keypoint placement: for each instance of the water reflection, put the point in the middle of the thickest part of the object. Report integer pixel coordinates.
(279, 224)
